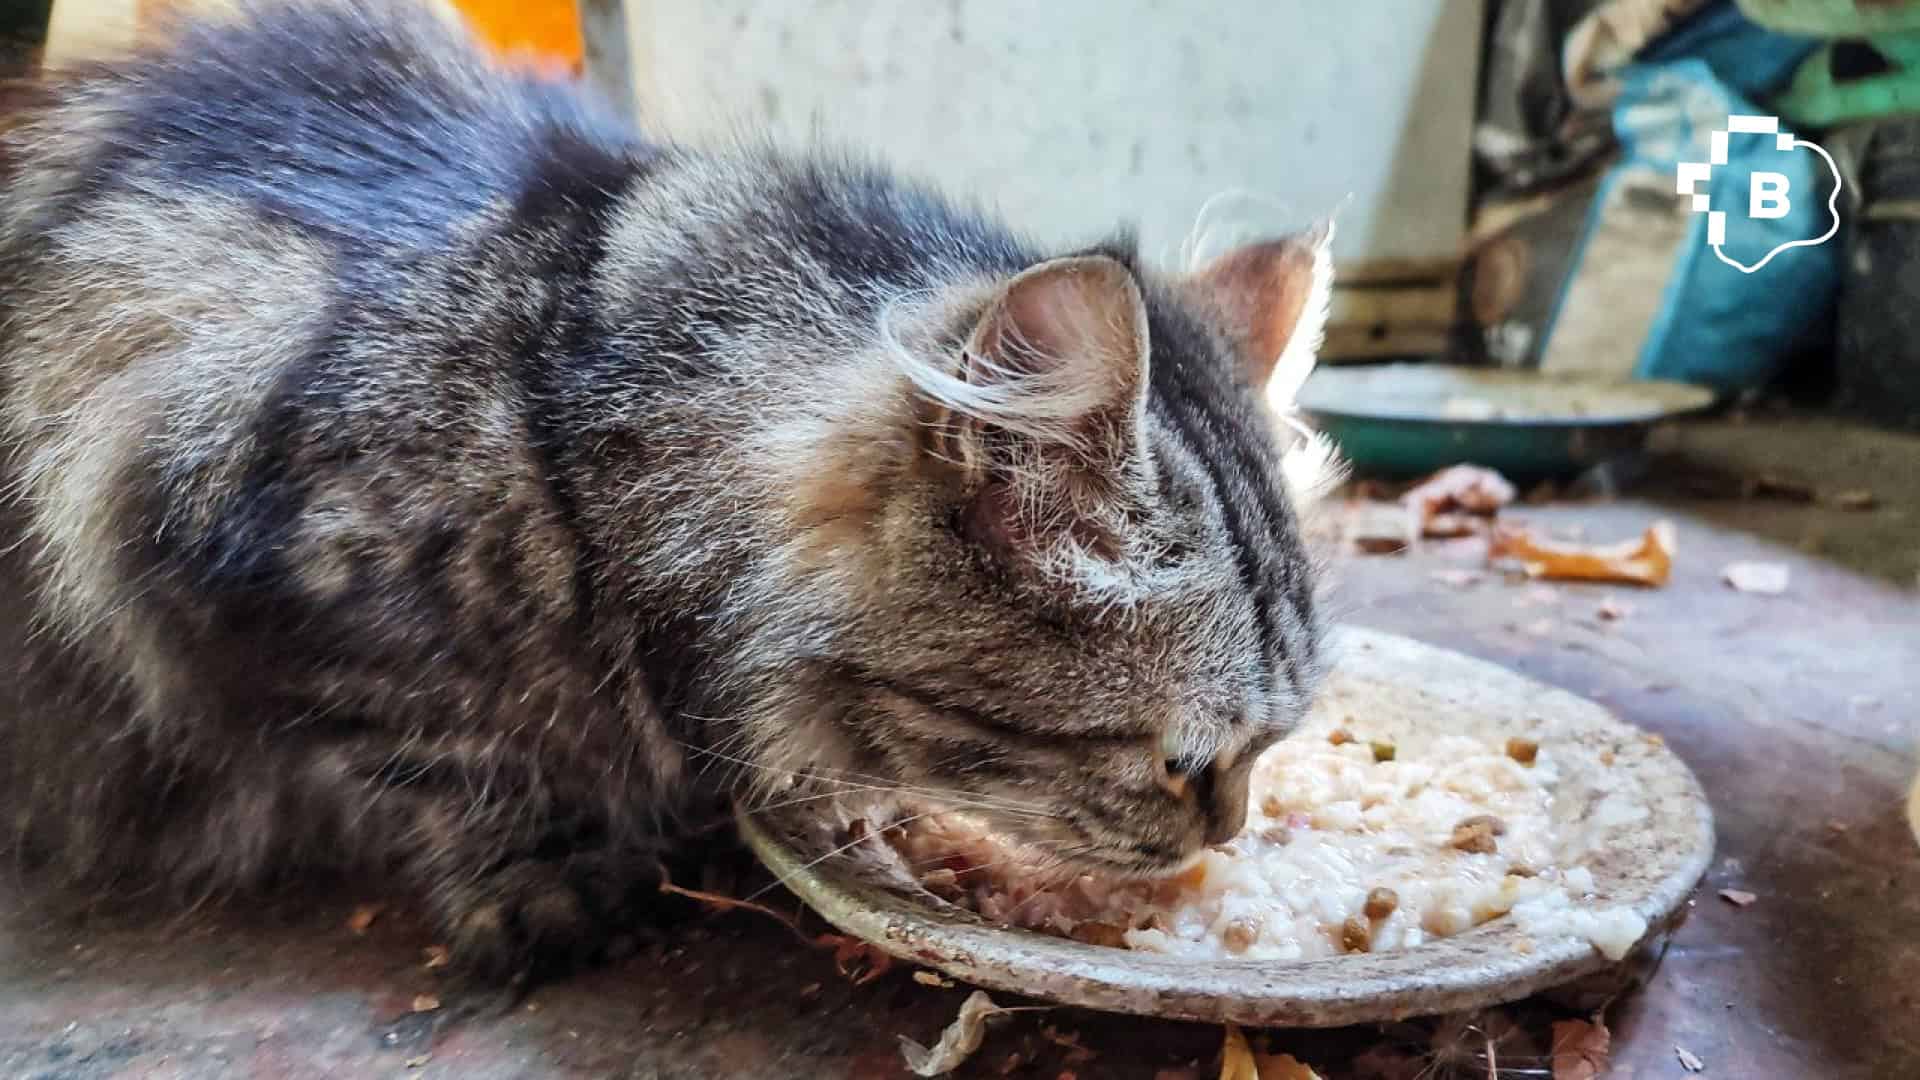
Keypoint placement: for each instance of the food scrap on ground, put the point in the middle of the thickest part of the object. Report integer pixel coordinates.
(960, 1041)
(363, 916)
(1765, 578)
(1283, 1067)
(1376, 528)
(1646, 561)
(1737, 897)
(1689, 1060)
(1775, 486)
(1612, 610)
(931, 978)
(1454, 501)
(1580, 1049)
(855, 959)
(425, 1003)
(1236, 1057)
(1855, 499)
(1077, 1053)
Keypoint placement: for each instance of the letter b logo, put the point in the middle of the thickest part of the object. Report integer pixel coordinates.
(1767, 195)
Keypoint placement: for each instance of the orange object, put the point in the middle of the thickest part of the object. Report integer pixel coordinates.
(545, 32)
(1646, 561)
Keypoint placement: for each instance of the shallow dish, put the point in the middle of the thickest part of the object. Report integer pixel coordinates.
(1404, 419)
(1400, 689)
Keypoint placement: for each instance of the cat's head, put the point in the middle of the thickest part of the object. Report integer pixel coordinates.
(1067, 577)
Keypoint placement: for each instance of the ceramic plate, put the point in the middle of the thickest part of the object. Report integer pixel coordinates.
(1405, 691)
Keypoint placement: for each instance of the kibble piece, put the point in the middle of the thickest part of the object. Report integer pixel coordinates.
(1356, 935)
(1272, 806)
(1340, 736)
(1099, 933)
(1523, 750)
(1381, 902)
(1383, 751)
(1492, 822)
(1241, 933)
(1475, 835)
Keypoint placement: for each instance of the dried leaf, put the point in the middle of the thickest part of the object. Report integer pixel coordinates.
(1076, 1052)
(1769, 579)
(1436, 506)
(1283, 1067)
(417, 1061)
(1646, 561)
(957, 1043)
(425, 1003)
(1689, 1060)
(1580, 1049)
(855, 959)
(1236, 1057)
(363, 917)
(1737, 897)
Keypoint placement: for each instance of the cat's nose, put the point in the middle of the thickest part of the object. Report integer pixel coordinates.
(1223, 799)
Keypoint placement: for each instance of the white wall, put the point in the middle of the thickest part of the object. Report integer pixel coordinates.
(1073, 115)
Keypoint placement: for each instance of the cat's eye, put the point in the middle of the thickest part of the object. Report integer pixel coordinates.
(1170, 750)
(1173, 769)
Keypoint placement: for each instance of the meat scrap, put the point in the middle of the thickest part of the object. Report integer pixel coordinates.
(1447, 503)
(1647, 561)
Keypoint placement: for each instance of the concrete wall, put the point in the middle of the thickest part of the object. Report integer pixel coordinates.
(1073, 115)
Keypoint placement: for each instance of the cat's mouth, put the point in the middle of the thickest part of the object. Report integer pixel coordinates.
(1039, 847)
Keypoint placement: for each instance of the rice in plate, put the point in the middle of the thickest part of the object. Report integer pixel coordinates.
(1351, 845)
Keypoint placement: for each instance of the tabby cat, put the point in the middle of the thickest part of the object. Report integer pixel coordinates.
(415, 472)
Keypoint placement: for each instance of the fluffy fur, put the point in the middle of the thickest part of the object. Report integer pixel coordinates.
(414, 472)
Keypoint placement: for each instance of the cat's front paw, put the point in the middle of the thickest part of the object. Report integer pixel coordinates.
(535, 919)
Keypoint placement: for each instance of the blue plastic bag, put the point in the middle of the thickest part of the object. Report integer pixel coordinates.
(1716, 325)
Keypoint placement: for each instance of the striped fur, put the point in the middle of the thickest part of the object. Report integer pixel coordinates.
(415, 472)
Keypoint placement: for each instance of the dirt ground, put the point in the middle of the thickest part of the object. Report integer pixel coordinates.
(1796, 711)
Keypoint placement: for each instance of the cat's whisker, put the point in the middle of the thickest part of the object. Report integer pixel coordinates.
(958, 799)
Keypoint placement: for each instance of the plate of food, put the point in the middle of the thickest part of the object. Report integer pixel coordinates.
(1415, 418)
(1440, 834)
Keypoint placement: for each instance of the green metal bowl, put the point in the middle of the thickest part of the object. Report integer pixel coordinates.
(1410, 419)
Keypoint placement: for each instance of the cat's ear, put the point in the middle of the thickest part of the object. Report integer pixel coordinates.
(1056, 366)
(1272, 298)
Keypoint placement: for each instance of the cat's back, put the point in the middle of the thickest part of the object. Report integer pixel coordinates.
(375, 127)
